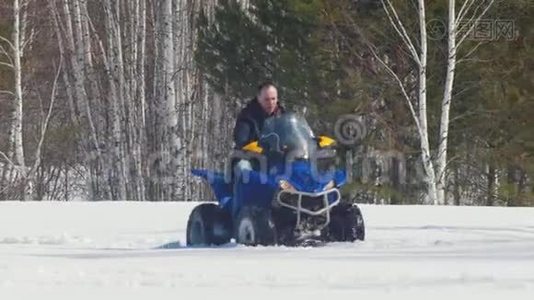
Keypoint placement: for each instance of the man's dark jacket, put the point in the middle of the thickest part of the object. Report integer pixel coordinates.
(250, 122)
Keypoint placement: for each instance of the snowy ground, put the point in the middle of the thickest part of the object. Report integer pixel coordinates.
(119, 250)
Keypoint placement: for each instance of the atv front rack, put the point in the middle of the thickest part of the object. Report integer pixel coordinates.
(298, 201)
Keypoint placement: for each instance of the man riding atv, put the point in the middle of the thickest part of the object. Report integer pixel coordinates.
(249, 124)
(250, 120)
(287, 197)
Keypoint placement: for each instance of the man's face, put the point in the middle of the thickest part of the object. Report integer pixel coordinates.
(268, 99)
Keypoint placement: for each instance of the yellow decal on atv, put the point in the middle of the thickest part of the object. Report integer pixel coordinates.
(253, 147)
(325, 141)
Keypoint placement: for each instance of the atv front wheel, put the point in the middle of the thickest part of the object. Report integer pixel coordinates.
(346, 224)
(255, 226)
(208, 224)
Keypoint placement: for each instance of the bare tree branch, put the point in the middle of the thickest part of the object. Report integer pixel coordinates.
(467, 24)
(99, 42)
(401, 85)
(4, 52)
(7, 65)
(401, 29)
(28, 40)
(475, 22)
(37, 161)
(464, 58)
(4, 156)
(7, 42)
(7, 92)
(372, 48)
(463, 10)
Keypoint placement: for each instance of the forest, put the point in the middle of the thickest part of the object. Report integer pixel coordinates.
(430, 102)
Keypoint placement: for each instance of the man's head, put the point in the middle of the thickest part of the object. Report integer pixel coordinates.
(268, 97)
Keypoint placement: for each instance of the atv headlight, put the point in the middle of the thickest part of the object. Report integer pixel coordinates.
(286, 186)
(329, 186)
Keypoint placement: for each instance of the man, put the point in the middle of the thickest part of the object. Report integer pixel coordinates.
(249, 125)
(250, 120)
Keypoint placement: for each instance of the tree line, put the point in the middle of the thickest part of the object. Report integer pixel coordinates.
(120, 99)
(110, 92)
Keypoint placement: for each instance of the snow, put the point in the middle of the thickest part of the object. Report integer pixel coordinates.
(132, 250)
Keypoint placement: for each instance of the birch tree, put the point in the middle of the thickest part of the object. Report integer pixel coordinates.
(115, 74)
(14, 50)
(73, 44)
(460, 26)
(419, 54)
(123, 104)
(14, 53)
(434, 167)
(113, 146)
(165, 138)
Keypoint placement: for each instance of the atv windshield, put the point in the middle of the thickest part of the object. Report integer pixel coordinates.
(289, 135)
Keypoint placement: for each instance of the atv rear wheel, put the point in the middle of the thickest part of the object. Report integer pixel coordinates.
(346, 224)
(255, 226)
(208, 224)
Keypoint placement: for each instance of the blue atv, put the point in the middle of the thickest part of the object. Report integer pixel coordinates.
(288, 194)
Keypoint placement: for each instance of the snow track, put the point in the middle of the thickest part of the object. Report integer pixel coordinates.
(127, 250)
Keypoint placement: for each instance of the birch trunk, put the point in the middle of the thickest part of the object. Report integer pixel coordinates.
(180, 87)
(18, 113)
(419, 116)
(114, 93)
(69, 35)
(491, 177)
(141, 124)
(124, 97)
(169, 96)
(75, 48)
(469, 18)
(441, 159)
(182, 37)
(9, 171)
(101, 167)
(425, 145)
